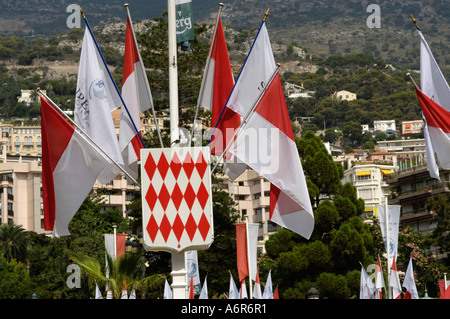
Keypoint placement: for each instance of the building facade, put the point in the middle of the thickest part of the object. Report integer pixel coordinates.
(369, 181)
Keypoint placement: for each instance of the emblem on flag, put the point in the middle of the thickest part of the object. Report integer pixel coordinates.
(176, 199)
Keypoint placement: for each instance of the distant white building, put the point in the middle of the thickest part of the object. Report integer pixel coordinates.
(387, 126)
(29, 96)
(368, 179)
(345, 95)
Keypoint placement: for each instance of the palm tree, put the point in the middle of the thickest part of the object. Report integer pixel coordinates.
(15, 242)
(124, 269)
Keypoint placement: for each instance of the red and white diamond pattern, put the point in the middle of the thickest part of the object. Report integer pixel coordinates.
(176, 198)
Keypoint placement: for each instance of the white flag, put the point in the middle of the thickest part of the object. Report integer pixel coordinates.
(233, 292)
(394, 221)
(98, 294)
(204, 292)
(268, 292)
(193, 271)
(96, 97)
(367, 287)
(409, 283)
(167, 291)
(433, 85)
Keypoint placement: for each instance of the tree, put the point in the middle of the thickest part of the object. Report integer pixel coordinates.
(14, 242)
(331, 258)
(15, 283)
(124, 270)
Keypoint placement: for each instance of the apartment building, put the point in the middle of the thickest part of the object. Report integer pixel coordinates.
(369, 180)
(251, 193)
(23, 140)
(387, 126)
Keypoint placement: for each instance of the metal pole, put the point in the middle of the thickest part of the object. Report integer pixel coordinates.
(387, 245)
(179, 273)
(248, 259)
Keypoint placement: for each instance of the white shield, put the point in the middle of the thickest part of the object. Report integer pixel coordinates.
(176, 199)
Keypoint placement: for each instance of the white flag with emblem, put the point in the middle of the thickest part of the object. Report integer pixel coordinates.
(95, 98)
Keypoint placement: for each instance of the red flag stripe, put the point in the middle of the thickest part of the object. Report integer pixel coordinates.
(56, 134)
(278, 117)
(131, 55)
(241, 250)
(435, 115)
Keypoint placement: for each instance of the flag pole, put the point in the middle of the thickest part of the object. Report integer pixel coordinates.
(179, 273)
(245, 62)
(208, 62)
(39, 91)
(246, 118)
(412, 80)
(248, 259)
(110, 75)
(147, 86)
(387, 244)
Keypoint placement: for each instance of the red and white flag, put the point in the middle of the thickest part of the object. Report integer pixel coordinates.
(379, 281)
(137, 97)
(433, 85)
(115, 249)
(70, 166)
(274, 155)
(394, 281)
(438, 123)
(257, 289)
(96, 97)
(266, 141)
(409, 283)
(218, 82)
(246, 254)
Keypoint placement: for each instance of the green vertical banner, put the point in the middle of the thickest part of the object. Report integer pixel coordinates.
(185, 23)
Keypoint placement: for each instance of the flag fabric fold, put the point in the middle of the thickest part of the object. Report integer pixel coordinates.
(96, 97)
(409, 283)
(70, 166)
(137, 97)
(433, 85)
